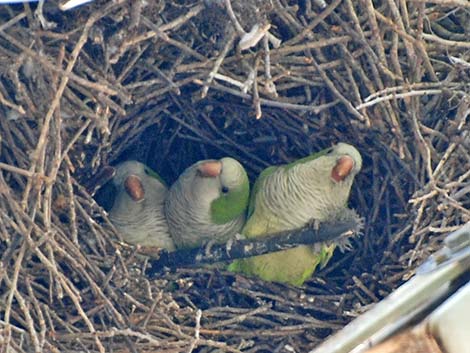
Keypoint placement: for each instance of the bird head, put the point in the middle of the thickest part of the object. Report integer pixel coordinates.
(222, 185)
(129, 177)
(132, 177)
(348, 162)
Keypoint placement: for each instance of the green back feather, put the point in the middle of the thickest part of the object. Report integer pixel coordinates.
(154, 174)
(308, 158)
(231, 205)
(268, 171)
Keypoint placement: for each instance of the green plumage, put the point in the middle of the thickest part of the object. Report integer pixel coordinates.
(290, 196)
(150, 172)
(231, 205)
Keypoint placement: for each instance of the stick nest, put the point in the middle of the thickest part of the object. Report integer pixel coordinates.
(173, 82)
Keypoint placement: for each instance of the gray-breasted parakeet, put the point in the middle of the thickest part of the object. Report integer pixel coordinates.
(290, 196)
(137, 211)
(207, 202)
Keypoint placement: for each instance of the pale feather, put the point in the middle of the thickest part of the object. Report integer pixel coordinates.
(144, 222)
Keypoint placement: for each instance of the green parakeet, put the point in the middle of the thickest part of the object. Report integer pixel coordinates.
(290, 196)
(207, 202)
(137, 211)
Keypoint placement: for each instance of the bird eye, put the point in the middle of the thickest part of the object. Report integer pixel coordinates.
(147, 171)
(225, 189)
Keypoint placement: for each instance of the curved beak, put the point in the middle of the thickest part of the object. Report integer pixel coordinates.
(343, 168)
(210, 169)
(134, 188)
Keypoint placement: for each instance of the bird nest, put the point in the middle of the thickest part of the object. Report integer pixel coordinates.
(267, 82)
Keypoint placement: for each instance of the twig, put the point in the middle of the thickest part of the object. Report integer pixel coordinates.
(256, 100)
(462, 3)
(269, 103)
(217, 64)
(269, 84)
(446, 42)
(233, 18)
(337, 93)
(399, 96)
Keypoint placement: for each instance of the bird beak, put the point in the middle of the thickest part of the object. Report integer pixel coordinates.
(210, 169)
(342, 169)
(134, 188)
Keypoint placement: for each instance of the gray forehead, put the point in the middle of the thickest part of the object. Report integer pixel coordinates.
(232, 172)
(126, 168)
(344, 148)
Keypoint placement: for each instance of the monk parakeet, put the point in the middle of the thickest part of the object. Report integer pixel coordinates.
(137, 211)
(290, 196)
(207, 202)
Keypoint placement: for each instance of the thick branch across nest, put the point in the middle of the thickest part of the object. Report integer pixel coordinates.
(339, 230)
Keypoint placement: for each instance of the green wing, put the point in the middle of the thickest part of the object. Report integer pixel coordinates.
(309, 158)
(154, 174)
